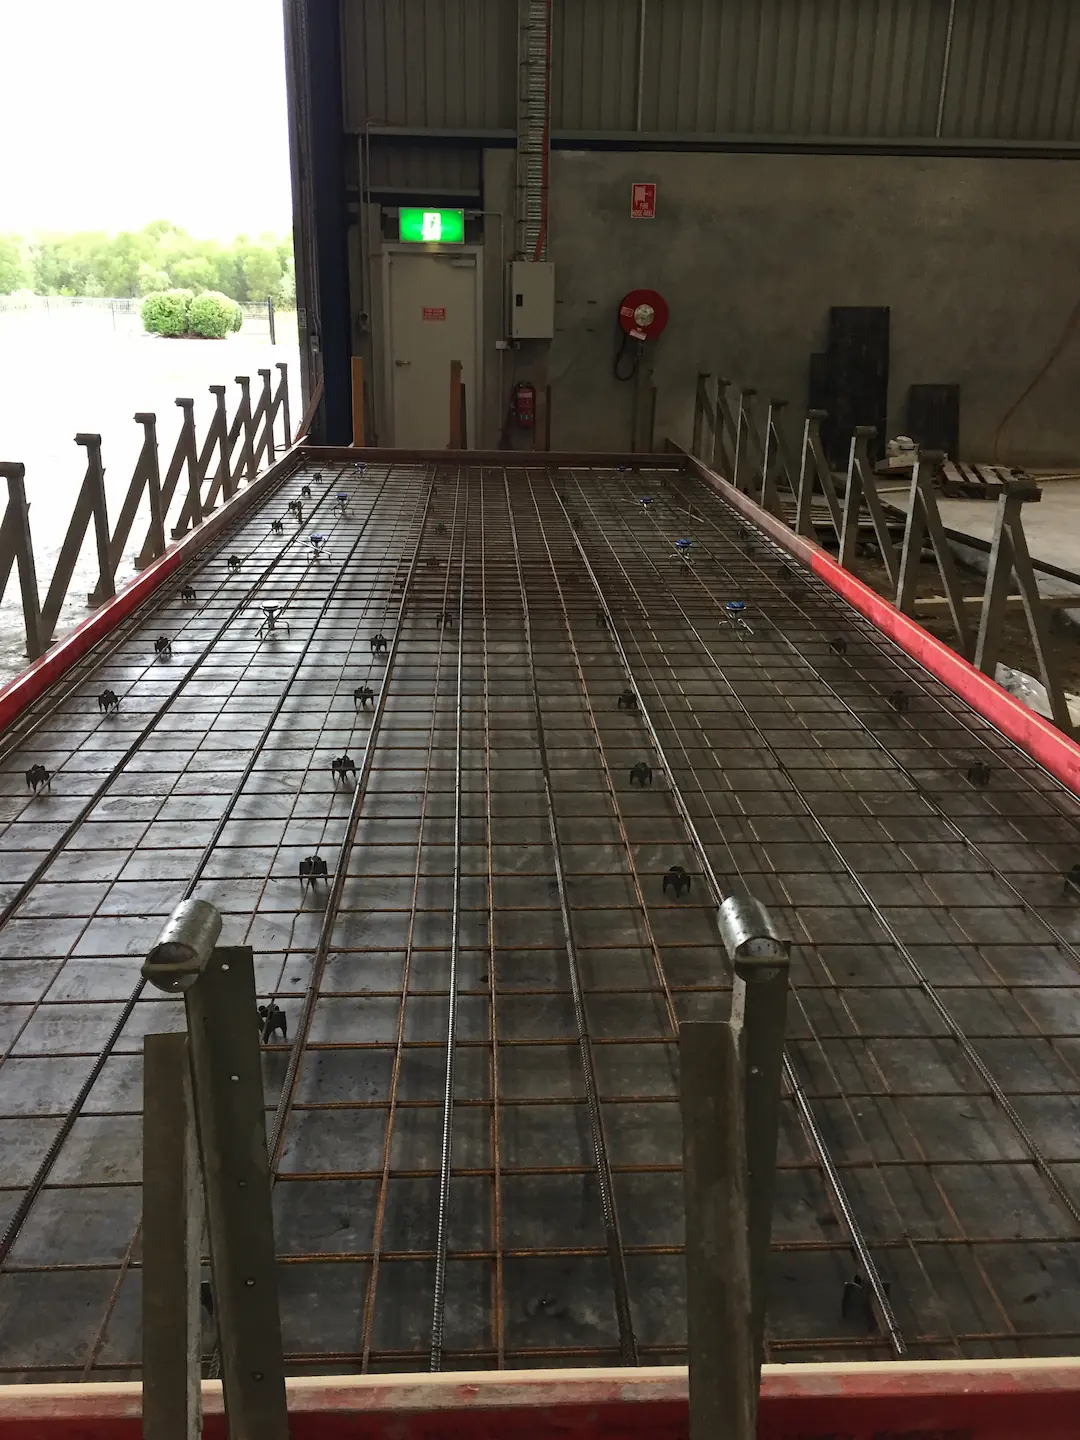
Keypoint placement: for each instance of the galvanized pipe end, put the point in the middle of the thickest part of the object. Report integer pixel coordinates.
(184, 947)
(753, 943)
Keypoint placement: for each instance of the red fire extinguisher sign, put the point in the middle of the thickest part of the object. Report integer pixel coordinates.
(643, 201)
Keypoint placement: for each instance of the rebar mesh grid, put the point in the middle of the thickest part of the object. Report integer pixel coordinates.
(517, 1199)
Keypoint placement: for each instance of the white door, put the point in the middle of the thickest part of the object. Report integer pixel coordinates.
(432, 322)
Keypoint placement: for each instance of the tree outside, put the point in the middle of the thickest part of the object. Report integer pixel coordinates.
(13, 273)
(162, 256)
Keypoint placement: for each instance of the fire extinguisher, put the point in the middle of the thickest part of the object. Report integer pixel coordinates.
(643, 316)
(524, 405)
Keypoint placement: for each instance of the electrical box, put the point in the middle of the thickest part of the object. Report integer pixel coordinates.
(532, 300)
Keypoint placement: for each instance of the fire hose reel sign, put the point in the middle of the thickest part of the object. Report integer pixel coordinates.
(643, 201)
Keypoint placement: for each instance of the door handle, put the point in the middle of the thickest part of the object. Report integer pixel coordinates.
(400, 363)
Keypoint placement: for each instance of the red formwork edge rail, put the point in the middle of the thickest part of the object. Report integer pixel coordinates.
(962, 1400)
(30, 684)
(1043, 741)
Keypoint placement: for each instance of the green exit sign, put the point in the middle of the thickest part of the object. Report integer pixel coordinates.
(432, 227)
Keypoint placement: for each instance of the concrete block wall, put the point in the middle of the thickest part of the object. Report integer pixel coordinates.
(979, 261)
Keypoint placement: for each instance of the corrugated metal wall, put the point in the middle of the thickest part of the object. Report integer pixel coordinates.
(794, 67)
(594, 64)
(1014, 71)
(858, 69)
(396, 168)
(430, 64)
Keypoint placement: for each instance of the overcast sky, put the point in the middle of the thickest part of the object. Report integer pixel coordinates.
(119, 112)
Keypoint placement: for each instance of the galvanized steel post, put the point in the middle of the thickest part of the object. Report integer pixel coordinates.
(171, 1245)
(759, 1009)
(730, 1093)
(718, 1285)
(218, 985)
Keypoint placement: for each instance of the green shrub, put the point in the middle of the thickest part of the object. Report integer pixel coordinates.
(210, 315)
(237, 317)
(166, 312)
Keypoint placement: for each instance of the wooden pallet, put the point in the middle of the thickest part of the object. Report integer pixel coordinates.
(972, 482)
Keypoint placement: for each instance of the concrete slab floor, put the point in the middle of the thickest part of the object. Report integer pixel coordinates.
(1051, 525)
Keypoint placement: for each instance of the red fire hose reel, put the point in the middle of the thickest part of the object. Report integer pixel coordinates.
(643, 314)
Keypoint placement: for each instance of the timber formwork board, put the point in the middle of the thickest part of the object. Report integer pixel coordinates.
(502, 884)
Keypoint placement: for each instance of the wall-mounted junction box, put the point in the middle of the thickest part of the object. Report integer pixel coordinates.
(532, 300)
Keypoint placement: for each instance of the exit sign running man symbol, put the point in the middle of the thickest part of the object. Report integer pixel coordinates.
(431, 227)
